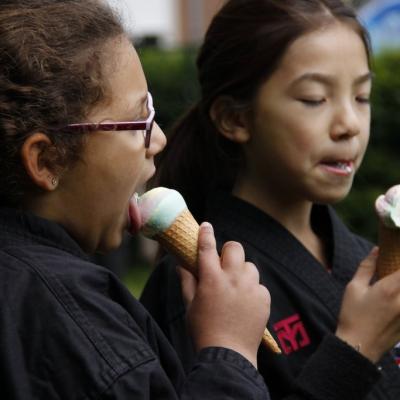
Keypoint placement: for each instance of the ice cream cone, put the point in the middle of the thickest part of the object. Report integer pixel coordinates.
(389, 251)
(270, 343)
(174, 227)
(387, 207)
(180, 239)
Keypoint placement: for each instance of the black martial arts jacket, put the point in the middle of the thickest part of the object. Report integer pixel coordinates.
(306, 300)
(70, 330)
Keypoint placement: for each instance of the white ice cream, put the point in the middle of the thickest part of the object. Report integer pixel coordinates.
(159, 207)
(387, 207)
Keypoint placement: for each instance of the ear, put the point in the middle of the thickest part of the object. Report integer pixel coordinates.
(229, 121)
(33, 155)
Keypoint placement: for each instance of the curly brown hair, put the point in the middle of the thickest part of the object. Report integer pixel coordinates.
(51, 57)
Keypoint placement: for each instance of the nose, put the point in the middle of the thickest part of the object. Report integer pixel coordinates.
(157, 142)
(346, 122)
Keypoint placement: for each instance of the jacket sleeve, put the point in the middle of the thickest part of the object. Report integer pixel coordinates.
(335, 371)
(218, 373)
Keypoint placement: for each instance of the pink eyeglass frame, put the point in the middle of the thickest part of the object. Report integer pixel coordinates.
(145, 125)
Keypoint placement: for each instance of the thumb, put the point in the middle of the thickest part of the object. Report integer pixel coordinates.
(188, 285)
(367, 267)
(208, 258)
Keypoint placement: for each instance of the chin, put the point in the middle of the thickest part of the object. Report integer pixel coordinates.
(109, 245)
(332, 197)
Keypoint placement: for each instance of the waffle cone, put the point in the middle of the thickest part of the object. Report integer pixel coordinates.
(270, 342)
(389, 251)
(181, 240)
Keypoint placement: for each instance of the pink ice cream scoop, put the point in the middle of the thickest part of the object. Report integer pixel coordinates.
(166, 218)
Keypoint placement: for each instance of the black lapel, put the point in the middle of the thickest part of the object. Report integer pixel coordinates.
(252, 226)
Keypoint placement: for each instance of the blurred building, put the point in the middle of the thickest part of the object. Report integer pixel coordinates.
(167, 23)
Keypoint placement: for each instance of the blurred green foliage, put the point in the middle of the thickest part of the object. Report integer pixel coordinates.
(171, 76)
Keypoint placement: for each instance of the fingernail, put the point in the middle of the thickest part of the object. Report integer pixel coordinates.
(206, 226)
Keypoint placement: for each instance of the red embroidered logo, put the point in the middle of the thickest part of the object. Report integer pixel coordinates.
(291, 334)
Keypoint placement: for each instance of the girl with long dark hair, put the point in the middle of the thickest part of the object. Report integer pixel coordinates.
(277, 136)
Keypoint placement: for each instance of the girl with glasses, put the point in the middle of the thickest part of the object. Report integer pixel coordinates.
(75, 146)
(277, 136)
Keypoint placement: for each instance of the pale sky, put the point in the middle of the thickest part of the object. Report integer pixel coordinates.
(147, 16)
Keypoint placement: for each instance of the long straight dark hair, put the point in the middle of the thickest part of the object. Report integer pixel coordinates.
(242, 48)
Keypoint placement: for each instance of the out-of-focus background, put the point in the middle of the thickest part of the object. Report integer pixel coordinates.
(167, 34)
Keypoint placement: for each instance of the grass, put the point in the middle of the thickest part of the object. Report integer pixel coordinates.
(136, 278)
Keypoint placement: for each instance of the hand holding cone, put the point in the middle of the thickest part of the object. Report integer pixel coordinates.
(174, 227)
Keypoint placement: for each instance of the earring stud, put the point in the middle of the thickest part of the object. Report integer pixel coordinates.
(54, 181)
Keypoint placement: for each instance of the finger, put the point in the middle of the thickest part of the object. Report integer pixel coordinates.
(252, 272)
(208, 258)
(232, 256)
(188, 285)
(367, 268)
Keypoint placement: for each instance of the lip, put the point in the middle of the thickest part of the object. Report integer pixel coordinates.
(338, 167)
(134, 217)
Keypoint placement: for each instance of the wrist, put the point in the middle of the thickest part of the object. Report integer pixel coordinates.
(361, 346)
(249, 355)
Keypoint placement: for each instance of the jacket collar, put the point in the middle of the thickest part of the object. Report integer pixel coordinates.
(254, 228)
(21, 228)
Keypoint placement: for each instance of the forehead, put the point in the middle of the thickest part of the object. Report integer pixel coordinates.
(124, 80)
(125, 74)
(335, 49)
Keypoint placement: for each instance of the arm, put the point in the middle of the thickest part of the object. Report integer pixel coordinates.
(218, 374)
(226, 297)
(370, 315)
(336, 371)
(368, 326)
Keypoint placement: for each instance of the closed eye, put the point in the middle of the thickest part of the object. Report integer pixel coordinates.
(312, 102)
(363, 99)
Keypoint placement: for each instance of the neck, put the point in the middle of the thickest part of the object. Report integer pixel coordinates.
(293, 214)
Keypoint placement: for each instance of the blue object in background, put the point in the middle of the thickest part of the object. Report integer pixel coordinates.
(382, 19)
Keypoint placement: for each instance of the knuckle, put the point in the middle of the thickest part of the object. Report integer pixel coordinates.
(389, 293)
(251, 268)
(233, 246)
(205, 245)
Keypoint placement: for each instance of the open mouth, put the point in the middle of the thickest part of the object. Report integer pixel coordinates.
(341, 167)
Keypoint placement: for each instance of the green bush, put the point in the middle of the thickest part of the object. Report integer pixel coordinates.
(172, 80)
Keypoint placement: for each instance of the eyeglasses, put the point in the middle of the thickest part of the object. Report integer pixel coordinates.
(142, 125)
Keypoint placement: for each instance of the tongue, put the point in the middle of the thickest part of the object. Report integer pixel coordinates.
(134, 217)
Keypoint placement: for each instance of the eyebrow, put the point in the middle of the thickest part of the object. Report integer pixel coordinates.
(328, 79)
